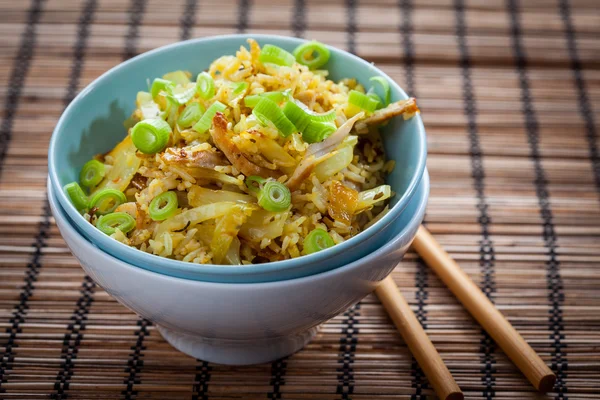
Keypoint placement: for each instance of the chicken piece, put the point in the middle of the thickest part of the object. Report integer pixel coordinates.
(201, 159)
(408, 107)
(222, 139)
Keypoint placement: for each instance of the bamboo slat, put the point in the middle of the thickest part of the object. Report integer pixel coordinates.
(510, 92)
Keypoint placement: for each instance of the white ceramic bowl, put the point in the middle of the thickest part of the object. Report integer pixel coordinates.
(238, 323)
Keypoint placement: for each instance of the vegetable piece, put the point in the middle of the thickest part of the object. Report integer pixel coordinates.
(233, 254)
(92, 173)
(109, 223)
(374, 96)
(272, 195)
(368, 198)
(125, 165)
(317, 132)
(198, 196)
(77, 196)
(190, 115)
(252, 100)
(160, 85)
(151, 135)
(312, 54)
(275, 55)
(334, 164)
(205, 121)
(317, 240)
(385, 86)
(205, 85)
(163, 206)
(361, 101)
(197, 215)
(107, 200)
(297, 115)
(263, 224)
(268, 111)
(178, 77)
(225, 231)
(238, 87)
(147, 106)
(182, 94)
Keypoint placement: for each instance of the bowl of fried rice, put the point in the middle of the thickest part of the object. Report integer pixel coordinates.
(239, 159)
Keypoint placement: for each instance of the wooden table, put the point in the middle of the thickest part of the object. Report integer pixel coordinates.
(510, 93)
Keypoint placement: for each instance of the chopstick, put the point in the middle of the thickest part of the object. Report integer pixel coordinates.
(417, 341)
(482, 309)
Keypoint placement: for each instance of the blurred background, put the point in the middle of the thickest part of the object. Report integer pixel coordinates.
(509, 92)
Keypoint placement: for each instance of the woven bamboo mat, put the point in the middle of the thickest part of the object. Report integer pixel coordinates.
(510, 93)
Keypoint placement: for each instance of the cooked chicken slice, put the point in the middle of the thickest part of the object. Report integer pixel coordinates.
(222, 139)
(408, 107)
(202, 159)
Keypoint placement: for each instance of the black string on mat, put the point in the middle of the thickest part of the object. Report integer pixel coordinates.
(278, 371)
(351, 26)
(487, 256)
(556, 295)
(244, 7)
(406, 30)
(188, 19)
(347, 352)
(585, 108)
(201, 380)
(299, 18)
(18, 75)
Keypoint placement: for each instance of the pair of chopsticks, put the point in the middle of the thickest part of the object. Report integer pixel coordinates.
(480, 307)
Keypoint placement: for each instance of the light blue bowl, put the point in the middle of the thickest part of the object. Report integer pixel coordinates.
(93, 123)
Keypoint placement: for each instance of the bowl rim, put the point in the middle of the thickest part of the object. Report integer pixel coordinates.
(112, 245)
(369, 258)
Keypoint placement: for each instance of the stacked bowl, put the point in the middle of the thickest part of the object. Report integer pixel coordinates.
(231, 314)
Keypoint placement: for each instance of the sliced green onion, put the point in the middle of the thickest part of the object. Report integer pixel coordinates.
(150, 136)
(317, 240)
(385, 85)
(275, 55)
(92, 173)
(205, 85)
(297, 115)
(371, 94)
(190, 115)
(362, 101)
(161, 85)
(238, 87)
(107, 200)
(205, 122)
(328, 116)
(252, 100)
(312, 54)
(317, 131)
(77, 196)
(274, 196)
(255, 183)
(163, 206)
(268, 111)
(109, 224)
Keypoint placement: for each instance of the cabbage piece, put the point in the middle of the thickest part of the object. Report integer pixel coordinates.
(198, 196)
(334, 164)
(124, 166)
(200, 214)
(233, 254)
(368, 198)
(225, 231)
(212, 175)
(178, 77)
(276, 154)
(264, 224)
(147, 106)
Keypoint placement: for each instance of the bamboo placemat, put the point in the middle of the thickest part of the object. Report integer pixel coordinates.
(510, 92)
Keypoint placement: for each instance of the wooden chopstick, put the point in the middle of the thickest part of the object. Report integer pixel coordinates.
(482, 309)
(417, 341)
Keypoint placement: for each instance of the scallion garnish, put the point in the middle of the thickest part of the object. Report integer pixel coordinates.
(150, 136)
(312, 54)
(163, 206)
(109, 223)
(317, 240)
(92, 173)
(77, 196)
(297, 115)
(190, 115)
(385, 85)
(205, 121)
(107, 200)
(362, 101)
(161, 85)
(275, 55)
(317, 131)
(205, 85)
(268, 111)
(238, 87)
(272, 195)
(252, 100)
